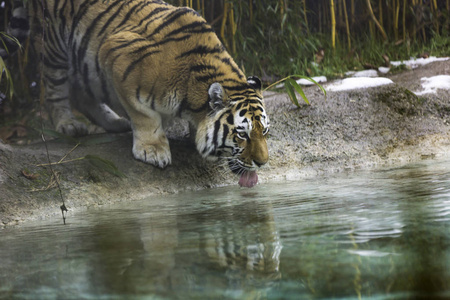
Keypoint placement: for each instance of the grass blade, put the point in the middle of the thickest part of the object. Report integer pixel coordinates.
(299, 90)
(105, 165)
(60, 135)
(290, 91)
(313, 81)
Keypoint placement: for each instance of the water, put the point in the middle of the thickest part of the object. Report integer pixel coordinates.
(366, 235)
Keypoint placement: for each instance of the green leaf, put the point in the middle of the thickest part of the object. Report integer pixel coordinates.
(60, 135)
(299, 90)
(291, 86)
(290, 91)
(9, 82)
(2, 67)
(313, 81)
(105, 165)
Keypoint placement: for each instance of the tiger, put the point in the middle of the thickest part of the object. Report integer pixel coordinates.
(137, 64)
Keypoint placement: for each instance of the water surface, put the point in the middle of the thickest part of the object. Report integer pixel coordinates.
(365, 235)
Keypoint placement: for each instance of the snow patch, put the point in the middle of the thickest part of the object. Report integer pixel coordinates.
(318, 79)
(302, 81)
(431, 84)
(365, 73)
(357, 83)
(414, 63)
(384, 70)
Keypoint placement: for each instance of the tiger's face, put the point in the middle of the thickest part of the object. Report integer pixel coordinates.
(236, 129)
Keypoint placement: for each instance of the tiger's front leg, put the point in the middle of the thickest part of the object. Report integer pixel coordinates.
(150, 143)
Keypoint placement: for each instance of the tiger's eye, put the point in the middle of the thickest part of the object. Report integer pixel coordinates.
(242, 135)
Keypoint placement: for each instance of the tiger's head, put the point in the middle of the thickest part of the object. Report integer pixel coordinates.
(236, 129)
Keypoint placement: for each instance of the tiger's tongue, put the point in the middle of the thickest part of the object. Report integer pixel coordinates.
(248, 179)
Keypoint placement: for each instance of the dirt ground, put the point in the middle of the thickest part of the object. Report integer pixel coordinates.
(358, 129)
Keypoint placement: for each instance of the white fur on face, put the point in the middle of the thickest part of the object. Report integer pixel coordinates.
(243, 124)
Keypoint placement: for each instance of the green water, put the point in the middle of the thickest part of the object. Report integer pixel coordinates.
(365, 235)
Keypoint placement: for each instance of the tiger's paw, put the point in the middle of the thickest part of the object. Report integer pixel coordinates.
(72, 127)
(155, 154)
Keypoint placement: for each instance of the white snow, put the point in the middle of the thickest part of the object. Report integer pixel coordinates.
(302, 81)
(318, 79)
(416, 62)
(368, 78)
(357, 83)
(431, 84)
(365, 73)
(383, 70)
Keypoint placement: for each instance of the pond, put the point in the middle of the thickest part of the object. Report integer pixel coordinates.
(367, 235)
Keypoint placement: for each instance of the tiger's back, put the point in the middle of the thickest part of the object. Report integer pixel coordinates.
(136, 63)
(155, 48)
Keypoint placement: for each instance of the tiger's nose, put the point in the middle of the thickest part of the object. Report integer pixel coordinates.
(260, 163)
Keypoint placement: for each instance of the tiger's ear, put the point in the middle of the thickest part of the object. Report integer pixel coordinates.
(254, 82)
(217, 96)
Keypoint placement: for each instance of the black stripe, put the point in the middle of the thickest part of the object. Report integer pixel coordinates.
(201, 68)
(56, 81)
(124, 45)
(72, 8)
(238, 98)
(185, 106)
(226, 130)
(234, 81)
(165, 41)
(228, 62)
(74, 58)
(204, 151)
(242, 113)
(138, 93)
(208, 77)
(54, 40)
(55, 7)
(114, 15)
(105, 91)
(201, 50)
(216, 132)
(135, 9)
(80, 14)
(133, 65)
(189, 27)
(62, 26)
(236, 87)
(53, 65)
(230, 119)
(82, 49)
(170, 18)
(150, 94)
(149, 16)
(54, 54)
(86, 80)
(240, 104)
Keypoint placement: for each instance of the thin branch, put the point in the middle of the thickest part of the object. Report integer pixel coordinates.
(60, 162)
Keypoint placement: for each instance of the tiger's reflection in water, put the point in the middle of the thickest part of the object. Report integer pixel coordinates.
(230, 249)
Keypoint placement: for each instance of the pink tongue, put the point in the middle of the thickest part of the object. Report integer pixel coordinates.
(248, 179)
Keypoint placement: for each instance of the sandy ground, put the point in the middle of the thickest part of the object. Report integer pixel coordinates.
(358, 129)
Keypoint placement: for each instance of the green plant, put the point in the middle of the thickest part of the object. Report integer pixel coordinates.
(291, 86)
(8, 82)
